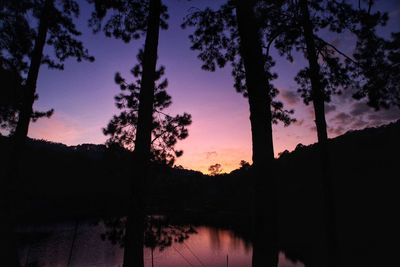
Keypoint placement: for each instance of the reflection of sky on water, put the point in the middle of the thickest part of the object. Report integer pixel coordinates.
(50, 246)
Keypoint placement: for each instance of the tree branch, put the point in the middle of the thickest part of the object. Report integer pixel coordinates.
(337, 50)
(161, 134)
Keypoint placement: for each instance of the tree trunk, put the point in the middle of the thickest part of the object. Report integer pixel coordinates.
(133, 254)
(317, 90)
(25, 114)
(318, 98)
(265, 236)
(9, 184)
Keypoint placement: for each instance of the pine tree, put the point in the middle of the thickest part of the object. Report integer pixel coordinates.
(376, 61)
(295, 26)
(233, 34)
(16, 43)
(21, 41)
(167, 129)
(131, 20)
(57, 30)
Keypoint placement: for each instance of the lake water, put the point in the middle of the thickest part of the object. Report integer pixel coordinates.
(51, 245)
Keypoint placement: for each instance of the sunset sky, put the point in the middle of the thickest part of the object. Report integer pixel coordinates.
(82, 95)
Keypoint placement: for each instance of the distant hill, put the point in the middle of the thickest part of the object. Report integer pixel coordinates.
(93, 180)
(361, 160)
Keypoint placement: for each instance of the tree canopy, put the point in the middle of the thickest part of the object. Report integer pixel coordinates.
(167, 129)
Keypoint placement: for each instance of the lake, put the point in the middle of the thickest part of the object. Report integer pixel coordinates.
(54, 245)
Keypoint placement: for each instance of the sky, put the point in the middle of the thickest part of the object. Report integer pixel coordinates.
(82, 95)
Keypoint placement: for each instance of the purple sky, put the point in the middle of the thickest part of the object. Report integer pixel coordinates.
(82, 95)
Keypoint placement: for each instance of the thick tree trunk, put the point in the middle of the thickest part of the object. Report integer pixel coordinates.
(265, 235)
(9, 183)
(133, 254)
(318, 98)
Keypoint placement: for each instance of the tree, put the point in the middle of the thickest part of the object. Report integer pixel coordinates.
(21, 57)
(17, 41)
(56, 29)
(167, 130)
(232, 34)
(130, 20)
(15, 45)
(159, 232)
(215, 169)
(244, 165)
(296, 26)
(377, 62)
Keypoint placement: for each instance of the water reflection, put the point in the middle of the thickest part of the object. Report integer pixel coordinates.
(53, 245)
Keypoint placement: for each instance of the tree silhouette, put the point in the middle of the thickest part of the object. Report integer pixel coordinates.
(294, 25)
(167, 130)
(128, 20)
(244, 165)
(9, 99)
(297, 25)
(215, 169)
(159, 232)
(377, 63)
(22, 49)
(15, 46)
(233, 34)
(17, 37)
(56, 29)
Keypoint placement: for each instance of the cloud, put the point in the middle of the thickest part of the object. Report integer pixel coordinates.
(344, 122)
(385, 115)
(346, 95)
(359, 124)
(290, 97)
(361, 116)
(329, 108)
(343, 118)
(211, 154)
(299, 122)
(336, 130)
(365, 113)
(360, 108)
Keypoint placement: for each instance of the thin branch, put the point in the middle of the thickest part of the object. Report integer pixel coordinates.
(337, 50)
(271, 41)
(161, 134)
(169, 116)
(370, 3)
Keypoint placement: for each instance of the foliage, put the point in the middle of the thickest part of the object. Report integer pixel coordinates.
(158, 233)
(125, 20)
(18, 36)
(216, 38)
(377, 65)
(244, 165)
(284, 20)
(215, 169)
(62, 35)
(167, 130)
